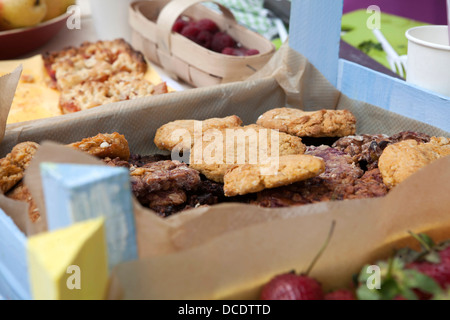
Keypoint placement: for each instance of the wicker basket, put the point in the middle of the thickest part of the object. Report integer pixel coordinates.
(181, 58)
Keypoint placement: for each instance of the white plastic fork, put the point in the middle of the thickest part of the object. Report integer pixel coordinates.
(397, 62)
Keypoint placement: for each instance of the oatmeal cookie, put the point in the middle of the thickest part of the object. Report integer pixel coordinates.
(251, 144)
(13, 166)
(248, 178)
(21, 193)
(105, 146)
(400, 160)
(317, 124)
(179, 134)
(367, 149)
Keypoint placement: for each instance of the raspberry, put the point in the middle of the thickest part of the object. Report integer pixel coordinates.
(179, 25)
(229, 51)
(252, 52)
(207, 25)
(221, 40)
(291, 286)
(204, 38)
(190, 32)
(239, 52)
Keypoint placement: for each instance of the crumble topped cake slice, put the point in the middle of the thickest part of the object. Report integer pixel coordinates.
(97, 73)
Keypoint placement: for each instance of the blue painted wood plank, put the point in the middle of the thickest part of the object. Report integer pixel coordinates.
(75, 193)
(361, 83)
(315, 32)
(14, 282)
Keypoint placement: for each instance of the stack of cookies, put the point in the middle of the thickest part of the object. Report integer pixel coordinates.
(287, 158)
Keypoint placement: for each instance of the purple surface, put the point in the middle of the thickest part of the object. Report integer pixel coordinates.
(429, 11)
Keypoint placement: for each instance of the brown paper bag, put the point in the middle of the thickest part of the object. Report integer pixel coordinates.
(8, 85)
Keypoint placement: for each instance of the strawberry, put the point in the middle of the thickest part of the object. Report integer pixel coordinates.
(439, 271)
(290, 286)
(341, 294)
(409, 274)
(433, 261)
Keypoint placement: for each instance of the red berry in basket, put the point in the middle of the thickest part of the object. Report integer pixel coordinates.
(207, 25)
(291, 286)
(179, 25)
(204, 38)
(252, 52)
(239, 52)
(221, 40)
(229, 51)
(342, 294)
(190, 32)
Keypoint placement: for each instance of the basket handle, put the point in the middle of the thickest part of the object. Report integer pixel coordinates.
(172, 11)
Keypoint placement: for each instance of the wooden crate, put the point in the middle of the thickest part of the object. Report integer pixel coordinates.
(315, 32)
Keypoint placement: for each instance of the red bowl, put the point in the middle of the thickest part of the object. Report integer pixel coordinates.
(16, 42)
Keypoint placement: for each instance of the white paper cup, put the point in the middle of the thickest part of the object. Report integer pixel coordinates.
(428, 63)
(110, 18)
(448, 19)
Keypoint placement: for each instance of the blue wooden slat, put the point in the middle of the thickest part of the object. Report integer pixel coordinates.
(14, 282)
(315, 30)
(361, 83)
(75, 193)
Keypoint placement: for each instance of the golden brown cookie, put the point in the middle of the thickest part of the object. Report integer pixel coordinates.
(21, 193)
(441, 145)
(179, 134)
(13, 166)
(112, 145)
(315, 124)
(400, 160)
(251, 144)
(281, 171)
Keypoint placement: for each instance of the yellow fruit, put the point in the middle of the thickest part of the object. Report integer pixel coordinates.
(55, 8)
(21, 13)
